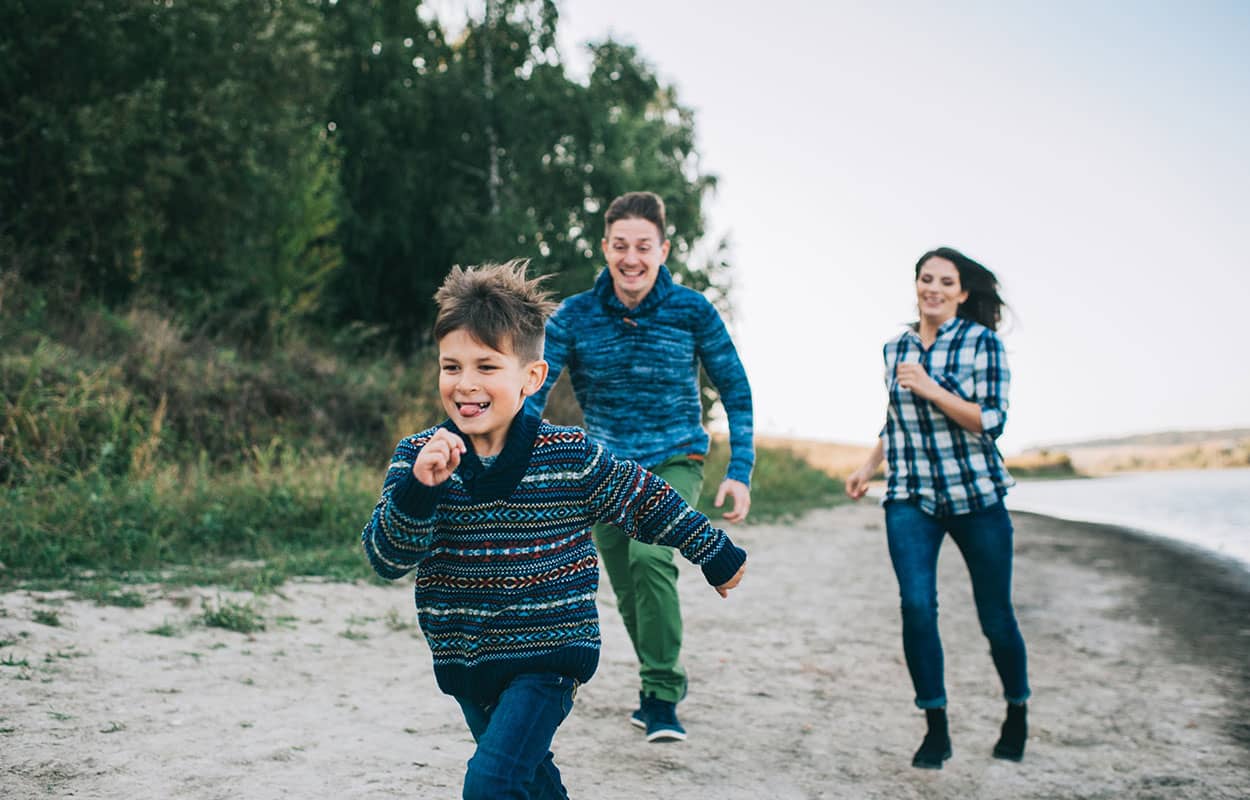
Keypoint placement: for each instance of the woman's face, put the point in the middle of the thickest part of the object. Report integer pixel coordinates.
(938, 291)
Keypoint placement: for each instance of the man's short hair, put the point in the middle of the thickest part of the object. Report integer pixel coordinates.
(637, 205)
(497, 305)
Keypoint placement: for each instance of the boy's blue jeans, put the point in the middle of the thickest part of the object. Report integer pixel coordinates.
(985, 540)
(513, 760)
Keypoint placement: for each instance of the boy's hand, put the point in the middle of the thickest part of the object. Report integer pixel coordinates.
(723, 589)
(741, 495)
(439, 458)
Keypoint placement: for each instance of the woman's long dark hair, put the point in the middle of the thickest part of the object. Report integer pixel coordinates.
(983, 304)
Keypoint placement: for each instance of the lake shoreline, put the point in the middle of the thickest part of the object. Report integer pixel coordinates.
(1204, 509)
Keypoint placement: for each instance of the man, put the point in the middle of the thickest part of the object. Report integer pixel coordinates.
(633, 345)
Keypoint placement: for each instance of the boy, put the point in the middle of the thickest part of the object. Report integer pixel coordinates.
(493, 508)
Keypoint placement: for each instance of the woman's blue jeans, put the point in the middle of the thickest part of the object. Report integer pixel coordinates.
(513, 760)
(985, 540)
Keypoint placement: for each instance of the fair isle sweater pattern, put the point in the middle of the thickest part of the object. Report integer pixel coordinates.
(506, 572)
(635, 372)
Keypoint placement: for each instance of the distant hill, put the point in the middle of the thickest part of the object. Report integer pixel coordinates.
(1160, 438)
(1214, 449)
(1141, 452)
(839, 460)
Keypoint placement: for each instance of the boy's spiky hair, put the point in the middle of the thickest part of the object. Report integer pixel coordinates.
(497, 305)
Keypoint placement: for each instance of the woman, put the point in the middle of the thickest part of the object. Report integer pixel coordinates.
(947, 379)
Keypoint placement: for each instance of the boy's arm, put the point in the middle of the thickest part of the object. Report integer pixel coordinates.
(556, 348)
(401, 530)
(646, 508)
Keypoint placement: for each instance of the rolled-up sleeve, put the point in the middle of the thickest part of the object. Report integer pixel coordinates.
(993, 381)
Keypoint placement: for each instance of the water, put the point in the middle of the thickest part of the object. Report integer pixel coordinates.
(1207, 508)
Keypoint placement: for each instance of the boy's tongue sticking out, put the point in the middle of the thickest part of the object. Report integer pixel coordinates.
(472, 409)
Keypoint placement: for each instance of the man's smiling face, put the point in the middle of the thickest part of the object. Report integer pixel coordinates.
(634, 249)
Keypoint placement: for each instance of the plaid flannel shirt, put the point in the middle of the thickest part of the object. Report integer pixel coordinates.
(930, 459)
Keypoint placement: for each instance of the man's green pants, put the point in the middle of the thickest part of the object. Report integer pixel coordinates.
(644, 578)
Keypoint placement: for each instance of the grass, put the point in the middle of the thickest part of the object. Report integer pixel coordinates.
(232, 616)
(109, 594)
(297, 516)
(398, 622)
(166, 628)
(46, 617)
(253, 528)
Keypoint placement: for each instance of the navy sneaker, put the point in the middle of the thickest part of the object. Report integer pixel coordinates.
(636, 718)
(660, 717)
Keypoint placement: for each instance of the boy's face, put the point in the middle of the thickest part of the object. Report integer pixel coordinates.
(483, 388)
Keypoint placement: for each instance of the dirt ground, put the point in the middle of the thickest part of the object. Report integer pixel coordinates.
(1139, 660)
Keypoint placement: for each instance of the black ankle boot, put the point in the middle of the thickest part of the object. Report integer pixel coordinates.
(1015, 730)
(936, 746)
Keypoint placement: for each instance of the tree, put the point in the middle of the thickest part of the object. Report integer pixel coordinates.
(167, 149)
(483, 149)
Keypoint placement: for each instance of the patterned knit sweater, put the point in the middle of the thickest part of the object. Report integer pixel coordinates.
(636, 372)
(506, 570)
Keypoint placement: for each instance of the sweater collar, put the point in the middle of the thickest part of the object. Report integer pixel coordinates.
(505, 474)
(662, 289)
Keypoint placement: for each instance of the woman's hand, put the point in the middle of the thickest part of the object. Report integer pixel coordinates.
(439, 458)
(857, 483)
(915, 379)
(965, 413)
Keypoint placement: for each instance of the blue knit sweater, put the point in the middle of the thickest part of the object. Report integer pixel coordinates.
(636, 372)
(506, 570)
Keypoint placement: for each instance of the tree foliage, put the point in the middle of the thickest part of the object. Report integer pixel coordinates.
(168, 149)
(252, 164)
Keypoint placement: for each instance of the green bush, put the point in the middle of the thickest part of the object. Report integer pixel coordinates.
(91, 524)
(131, 449)
(783, 485)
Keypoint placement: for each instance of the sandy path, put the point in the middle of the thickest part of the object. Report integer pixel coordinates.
(1138, 656)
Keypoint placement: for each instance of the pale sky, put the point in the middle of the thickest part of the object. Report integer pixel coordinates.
(1095, 155)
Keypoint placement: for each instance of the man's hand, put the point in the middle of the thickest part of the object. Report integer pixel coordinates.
(741, 495)
(723, 589)
(439, 458)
